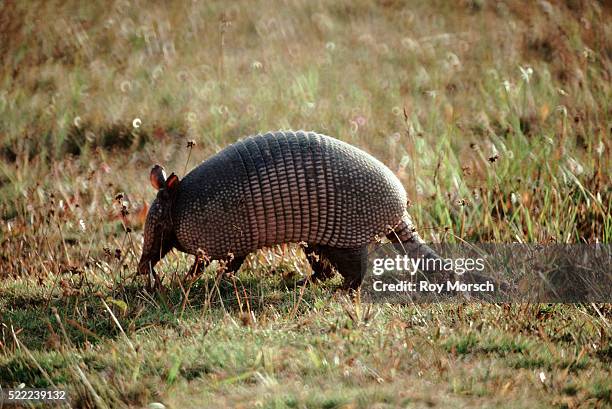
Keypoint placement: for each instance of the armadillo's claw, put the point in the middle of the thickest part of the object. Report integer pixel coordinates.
(153, 281)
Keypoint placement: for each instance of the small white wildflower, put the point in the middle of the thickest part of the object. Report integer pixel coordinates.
(256, 65)
(562, 109)
(452, 60)
(542, 377)
(546, 7)
(136, 123)
(432, 93)
(562, 91)
(526, 73)
(82, 224)
(125, 86)
(514, 198)
(157, 72)
(331, 46)
(507, 85)
(77, 121)
(600, 148)
(574, 166)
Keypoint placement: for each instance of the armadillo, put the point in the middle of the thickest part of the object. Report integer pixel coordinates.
(281, 187)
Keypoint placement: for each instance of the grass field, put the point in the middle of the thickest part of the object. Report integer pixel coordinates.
(495, 115)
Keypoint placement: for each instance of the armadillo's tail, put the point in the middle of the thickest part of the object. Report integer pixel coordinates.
(406, 241)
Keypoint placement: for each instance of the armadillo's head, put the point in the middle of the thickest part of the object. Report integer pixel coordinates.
(159, 236)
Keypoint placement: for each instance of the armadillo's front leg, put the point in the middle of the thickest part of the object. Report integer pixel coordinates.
(154, 281)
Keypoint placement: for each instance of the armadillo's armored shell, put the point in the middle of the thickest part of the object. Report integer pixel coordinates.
(286, 187)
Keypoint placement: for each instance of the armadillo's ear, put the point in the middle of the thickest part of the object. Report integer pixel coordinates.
(172, 182)
(158, 177)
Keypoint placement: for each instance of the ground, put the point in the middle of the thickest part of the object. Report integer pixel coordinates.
(494, 115)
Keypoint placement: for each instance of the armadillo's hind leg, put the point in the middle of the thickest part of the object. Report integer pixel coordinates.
(350, 263)
(321, 267)
(404, 232)
(406, 240)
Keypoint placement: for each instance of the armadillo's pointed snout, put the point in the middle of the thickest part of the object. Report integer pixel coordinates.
(152, 231)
